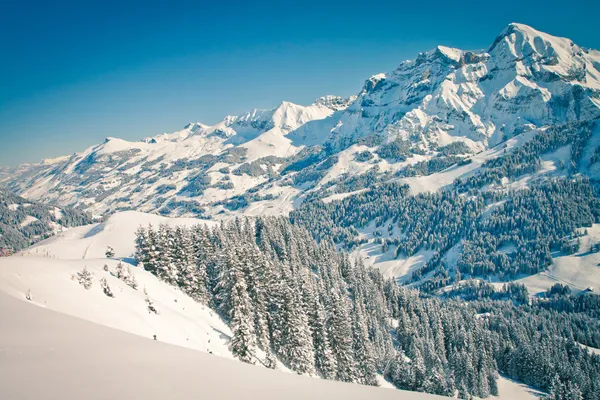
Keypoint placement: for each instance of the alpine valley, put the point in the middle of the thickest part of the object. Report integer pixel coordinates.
(437, 232)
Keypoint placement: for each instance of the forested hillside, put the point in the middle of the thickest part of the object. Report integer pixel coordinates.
(23, 222)
(501, 230)
(289, 298)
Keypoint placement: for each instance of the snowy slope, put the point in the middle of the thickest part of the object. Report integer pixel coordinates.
(91, 241)
(45, 271)
(67, 357)
(579, 271)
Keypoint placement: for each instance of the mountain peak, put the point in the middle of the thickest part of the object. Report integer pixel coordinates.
(448, 52)
(525, 39)
(517, 27)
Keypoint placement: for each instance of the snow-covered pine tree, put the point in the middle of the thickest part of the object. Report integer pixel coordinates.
(142, 246)
(110, 252)
(184, 260)
(214, 256)
(573, 392)
(557, 389)
(120, 271)
(340, 333)
(85, 278)
(131, 281)
(201, 256)
(106, 288)
(325, 362)
(152, 309)
(236, 305)
(243, 340)
(418, 366)
(254, 267)
(125, 274)
(400, 372)
(297, 347)
(363, 351)
(167, 270)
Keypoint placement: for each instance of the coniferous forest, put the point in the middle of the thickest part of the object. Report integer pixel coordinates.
(292, 300)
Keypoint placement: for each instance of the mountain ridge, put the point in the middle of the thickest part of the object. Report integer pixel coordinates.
(526, 80)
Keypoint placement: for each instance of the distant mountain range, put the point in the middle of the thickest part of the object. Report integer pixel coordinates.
(526, 80)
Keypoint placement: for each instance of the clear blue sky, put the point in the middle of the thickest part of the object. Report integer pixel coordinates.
(73, 73)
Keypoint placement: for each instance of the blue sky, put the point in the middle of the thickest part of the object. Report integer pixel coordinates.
(74, 73)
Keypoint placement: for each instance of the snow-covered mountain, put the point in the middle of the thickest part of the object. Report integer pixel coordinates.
(526, 80)
(118, 174)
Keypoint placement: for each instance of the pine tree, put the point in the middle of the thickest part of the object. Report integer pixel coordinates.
(363, 352)
(270, 359)
(146, 248)
(106, 288)
(110, 252)
(254, 267)
(297, 347)
(400, 373)
(85, 278)
(126, 275)
(241, 316)
(557, 389)
(340, 334)
(166, 267)
(325, 362)
(573, 392)
(190, 278)
(142, 246)
(150, 304)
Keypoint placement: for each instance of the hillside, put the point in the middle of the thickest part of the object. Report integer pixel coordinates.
(54, 350)
(43, 274)
(24, 222)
